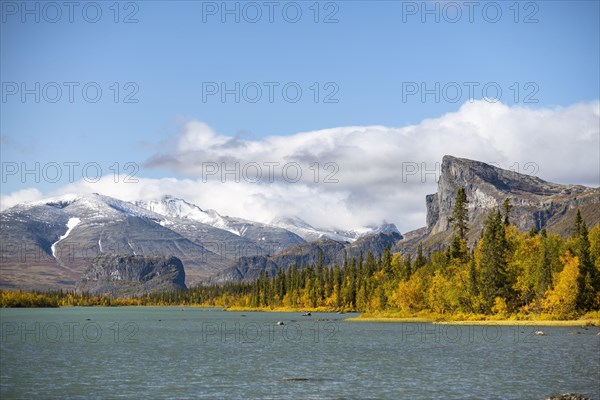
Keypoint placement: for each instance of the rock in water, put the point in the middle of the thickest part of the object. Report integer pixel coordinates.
(129, 275)
(568, 396)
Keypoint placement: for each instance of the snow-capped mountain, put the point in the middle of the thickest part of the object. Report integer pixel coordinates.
(310, 233)
(385, 227)
(60, 236)
(180, 210)
(49, 243)
(173, 207)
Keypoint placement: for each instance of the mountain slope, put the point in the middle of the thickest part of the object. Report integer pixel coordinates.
(43, 247)
(173, 207)
(331, 251)
(48, 244)
(536, 203)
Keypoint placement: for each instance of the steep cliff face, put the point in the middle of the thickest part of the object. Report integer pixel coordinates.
(127, 275)
(536, 203)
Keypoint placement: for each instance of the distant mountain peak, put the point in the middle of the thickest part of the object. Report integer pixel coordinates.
(385, 227)
(309, 233)
(174, 207)
(463, 172)
(64, 199)
(292, 221)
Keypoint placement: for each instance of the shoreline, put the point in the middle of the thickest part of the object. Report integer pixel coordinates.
(365, 317)
(588, 322)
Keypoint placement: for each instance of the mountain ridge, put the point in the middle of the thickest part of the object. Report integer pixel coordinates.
(328, 250)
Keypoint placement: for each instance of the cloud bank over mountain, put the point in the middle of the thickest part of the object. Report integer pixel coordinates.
(348, 177)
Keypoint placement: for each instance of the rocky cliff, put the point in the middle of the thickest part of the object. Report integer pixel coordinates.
(536, 203)
(132, 275)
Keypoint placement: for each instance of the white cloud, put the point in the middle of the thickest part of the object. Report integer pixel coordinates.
(562, 143)
(20, 196)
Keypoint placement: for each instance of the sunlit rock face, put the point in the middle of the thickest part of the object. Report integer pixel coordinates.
(536, 203)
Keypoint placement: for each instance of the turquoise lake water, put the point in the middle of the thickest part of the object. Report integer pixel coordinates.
(190, 353)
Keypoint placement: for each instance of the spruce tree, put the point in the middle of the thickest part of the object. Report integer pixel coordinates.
(507, 207)
(420, 261)
(545, 270)
(338, 280)
(578, 223)
(407, 268)
(473, 287)
(459, 220)
(386, 260)
(460, 214)
(493, 260)
(587, 281)
(320, 279)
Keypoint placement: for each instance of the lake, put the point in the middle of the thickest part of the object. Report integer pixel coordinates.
(175, 352)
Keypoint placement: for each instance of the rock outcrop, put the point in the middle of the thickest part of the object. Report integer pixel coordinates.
(127, 275)
(536, 203)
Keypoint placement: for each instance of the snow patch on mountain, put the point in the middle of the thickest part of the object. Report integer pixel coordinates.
(72, 223)
(173, 207)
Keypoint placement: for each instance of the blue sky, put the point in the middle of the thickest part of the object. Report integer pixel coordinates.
(177, 48)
